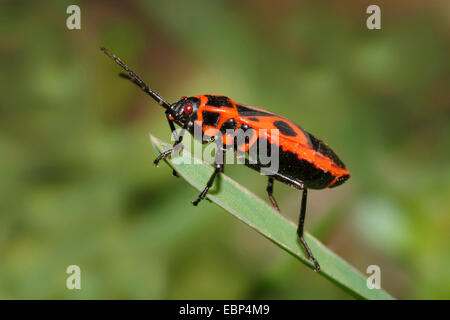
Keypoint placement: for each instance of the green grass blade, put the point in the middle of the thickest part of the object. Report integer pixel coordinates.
(259, 215)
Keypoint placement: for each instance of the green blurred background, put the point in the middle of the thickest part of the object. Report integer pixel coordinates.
(78, 186)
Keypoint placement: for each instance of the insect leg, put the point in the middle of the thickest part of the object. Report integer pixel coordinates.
(218, 167)
(301, 223)
(172, 129)
(270, 193)
(177, 146)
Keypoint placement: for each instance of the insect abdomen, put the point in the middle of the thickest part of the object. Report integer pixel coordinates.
(303, 158)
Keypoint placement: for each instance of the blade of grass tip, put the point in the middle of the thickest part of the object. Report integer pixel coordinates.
(257, 214)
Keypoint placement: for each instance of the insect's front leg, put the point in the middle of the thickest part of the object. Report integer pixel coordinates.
(177, 146)
(218, 167)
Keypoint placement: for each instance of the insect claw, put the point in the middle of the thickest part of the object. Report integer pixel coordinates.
(316, 266)
(163, 155)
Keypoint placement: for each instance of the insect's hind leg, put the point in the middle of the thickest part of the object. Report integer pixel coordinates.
(270, 193)
(301, 223)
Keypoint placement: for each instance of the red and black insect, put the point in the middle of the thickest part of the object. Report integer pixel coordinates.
(305, 162)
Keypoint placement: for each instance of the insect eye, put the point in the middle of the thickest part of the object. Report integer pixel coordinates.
(188, 108)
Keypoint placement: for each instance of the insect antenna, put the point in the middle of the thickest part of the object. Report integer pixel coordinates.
(135, 79)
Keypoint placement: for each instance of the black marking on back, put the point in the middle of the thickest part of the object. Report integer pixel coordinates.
(218, 101)
(324, 149)
(230, 124)
(304, 132)
(295, 169)
(210, 118)
(285, 128)
(249, 112)
(253, 119)
(244, 127)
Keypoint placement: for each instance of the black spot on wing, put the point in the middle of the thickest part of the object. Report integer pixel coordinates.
(325, 150)
(210, 118)
(218, 101)
(249, 112)
(253, 119)
(285, 128)
(305, 133)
